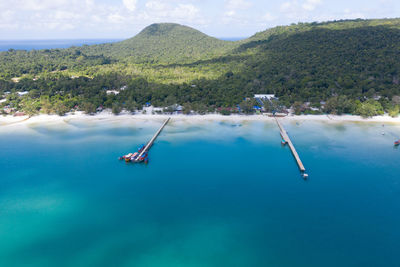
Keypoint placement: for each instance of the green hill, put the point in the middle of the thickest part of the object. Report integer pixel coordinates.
(317, 60)
(164, 43)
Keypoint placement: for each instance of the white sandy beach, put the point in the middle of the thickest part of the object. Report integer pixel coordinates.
(10, 120)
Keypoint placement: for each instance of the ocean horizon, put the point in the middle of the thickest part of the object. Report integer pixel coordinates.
(215, 193)
(6, 45)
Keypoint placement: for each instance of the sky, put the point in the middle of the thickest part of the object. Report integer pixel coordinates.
(119, 19)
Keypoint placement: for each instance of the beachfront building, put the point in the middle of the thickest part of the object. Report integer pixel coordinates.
(112, 92)
(173, 109)
(8, 110)
(22, 93)
(265, 97)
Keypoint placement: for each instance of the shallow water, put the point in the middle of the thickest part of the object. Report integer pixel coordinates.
(213, 194)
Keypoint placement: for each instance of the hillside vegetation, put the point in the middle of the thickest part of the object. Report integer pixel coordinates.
(164, 43)
(348, 64)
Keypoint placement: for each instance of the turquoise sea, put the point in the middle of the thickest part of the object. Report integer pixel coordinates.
(213, 194)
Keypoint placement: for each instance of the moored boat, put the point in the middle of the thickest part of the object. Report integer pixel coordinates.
(140, 149)
(397, 143)
(142, 158)
(134, 157)
(126, 157)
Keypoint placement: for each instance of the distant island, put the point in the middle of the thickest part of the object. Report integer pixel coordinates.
(338, 67)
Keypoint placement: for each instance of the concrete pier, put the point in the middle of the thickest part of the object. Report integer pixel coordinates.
(287, 140)
(150, 143)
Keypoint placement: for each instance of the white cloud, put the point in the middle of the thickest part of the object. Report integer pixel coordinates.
(238, 4)
(156, 6)
(234, 11)
(269, 17)
(124, 18)
(349, 14)
(90, 4)
(115, 18)
(61, 15)
(311, 4)
(295, 5)
(230, 13)
(299, 10)
(41, 4)
(6, 20)
(161, 11)
(6, 16)
(187, 10)
(130, 4)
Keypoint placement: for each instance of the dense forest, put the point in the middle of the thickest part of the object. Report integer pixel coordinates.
(334, 67)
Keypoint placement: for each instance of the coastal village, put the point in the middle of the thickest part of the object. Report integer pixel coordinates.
(266, 104)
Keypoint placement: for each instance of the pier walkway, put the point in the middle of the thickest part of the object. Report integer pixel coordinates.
(150, 143)
(287, 140)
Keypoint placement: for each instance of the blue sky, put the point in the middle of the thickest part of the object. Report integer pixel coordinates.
(73, 19)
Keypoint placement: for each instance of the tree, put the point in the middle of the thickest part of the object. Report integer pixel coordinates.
(116, 108)
(30, 106)
(394, 111)
(369, 108)
(225, 112)
(60, 108)
(89, 108)
(131, 105)
(297, 107)
(45, 104)
(247, 106)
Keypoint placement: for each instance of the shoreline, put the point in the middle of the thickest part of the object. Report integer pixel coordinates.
(44, 118)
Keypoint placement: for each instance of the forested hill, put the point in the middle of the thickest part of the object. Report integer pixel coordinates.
(309, 62)
(352, 65)
(164, 43)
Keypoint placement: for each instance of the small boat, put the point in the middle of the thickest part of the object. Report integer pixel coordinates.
(134, 156)
(142, 158)
(140, 149)
(127, 158)
(397, 143)
(283, 142)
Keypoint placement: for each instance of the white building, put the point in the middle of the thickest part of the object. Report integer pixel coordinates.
(269, 97)
(115, 92)
(22, 93)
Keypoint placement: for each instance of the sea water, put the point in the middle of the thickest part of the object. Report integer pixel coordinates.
(215, 193)
(49, 44)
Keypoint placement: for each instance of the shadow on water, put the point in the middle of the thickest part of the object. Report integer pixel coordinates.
(87, 132)
(340, 128)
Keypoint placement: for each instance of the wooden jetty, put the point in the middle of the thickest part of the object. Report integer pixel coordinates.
(150, 143)
(296, 156)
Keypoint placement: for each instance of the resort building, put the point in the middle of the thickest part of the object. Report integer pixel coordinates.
(269, 97)
(22, 93)
(113, 92)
